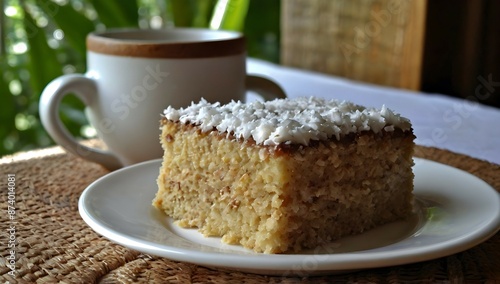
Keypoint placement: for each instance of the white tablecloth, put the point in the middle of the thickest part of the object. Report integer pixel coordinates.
(440, 121)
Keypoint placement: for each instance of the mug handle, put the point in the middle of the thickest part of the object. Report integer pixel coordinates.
(50, 100)
(266, 88)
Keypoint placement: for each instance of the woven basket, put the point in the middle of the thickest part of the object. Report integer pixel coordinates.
(375, 41)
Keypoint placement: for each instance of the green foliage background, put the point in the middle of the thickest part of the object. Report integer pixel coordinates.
(43, 39)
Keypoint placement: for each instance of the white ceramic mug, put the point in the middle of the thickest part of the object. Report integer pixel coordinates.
(134, 74)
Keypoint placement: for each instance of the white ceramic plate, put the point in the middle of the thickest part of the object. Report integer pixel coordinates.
(455, 211)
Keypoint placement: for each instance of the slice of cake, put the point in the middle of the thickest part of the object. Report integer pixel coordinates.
(284, 175)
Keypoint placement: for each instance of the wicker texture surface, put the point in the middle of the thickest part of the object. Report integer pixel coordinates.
(376, 41)
(55, 245)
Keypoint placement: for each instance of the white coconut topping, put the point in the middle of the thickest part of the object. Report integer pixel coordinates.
(289, 121)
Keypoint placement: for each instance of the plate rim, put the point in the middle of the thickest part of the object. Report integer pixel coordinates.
(287, 262)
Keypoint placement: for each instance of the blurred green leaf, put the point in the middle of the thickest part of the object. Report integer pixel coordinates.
(43, 64)
(191, 13)
(229, 15)
(117, 13)
(262, 29)
(7, 109)
(44, 67)
(182, 12)
(74, 24)
(202, 13)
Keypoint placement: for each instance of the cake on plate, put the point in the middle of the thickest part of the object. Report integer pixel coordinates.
(284, 175)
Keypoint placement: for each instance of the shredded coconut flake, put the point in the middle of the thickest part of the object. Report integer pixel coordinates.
(290, 121)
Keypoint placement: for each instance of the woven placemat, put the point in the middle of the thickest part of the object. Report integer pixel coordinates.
(53, 244)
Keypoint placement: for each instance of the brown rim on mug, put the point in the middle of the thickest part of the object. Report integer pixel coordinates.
(176, 43)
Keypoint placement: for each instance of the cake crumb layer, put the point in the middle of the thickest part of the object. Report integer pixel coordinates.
(275, 201)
